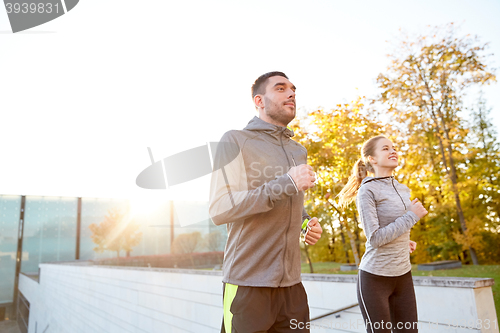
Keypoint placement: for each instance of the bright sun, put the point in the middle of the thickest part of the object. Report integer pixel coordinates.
(147, 204)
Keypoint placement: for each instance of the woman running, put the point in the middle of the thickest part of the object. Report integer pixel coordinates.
(385, 286)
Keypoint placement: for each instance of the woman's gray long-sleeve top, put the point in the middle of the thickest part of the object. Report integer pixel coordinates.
(383, 206)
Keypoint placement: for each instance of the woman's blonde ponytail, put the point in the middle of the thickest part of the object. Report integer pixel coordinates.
(350, 190)
(359, 172)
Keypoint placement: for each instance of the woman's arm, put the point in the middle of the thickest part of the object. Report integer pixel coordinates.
(376, 235)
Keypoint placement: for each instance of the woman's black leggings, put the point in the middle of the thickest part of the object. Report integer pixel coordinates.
(387, 303)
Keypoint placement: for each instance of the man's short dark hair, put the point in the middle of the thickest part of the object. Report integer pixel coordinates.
(259, 86)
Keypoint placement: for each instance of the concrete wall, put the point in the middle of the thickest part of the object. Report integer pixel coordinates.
(77, 298)
(445, 304)
(457, 304)
(84, 298)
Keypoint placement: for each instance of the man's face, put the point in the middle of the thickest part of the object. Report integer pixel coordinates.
(279, 100)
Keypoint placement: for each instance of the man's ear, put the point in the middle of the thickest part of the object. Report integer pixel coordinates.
(258, 100)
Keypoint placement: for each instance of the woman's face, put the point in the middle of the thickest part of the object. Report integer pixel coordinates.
(385, 155)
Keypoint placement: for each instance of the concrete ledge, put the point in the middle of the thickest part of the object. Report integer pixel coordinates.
(430, 281)
(34, 276)
(454, 282)
(349, 267)
(346, 278)
(168, 270)
(445, 264)
(70, 262)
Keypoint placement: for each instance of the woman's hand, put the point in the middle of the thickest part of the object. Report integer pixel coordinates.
(417, 207)
(413, 246)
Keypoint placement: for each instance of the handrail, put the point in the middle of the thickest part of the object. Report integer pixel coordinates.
(334, 312)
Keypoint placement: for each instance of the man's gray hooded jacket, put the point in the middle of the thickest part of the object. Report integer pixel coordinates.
(259, 202)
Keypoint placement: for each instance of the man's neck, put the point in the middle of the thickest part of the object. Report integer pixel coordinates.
(269, 120)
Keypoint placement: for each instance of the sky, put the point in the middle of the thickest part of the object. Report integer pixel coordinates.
(83, 96)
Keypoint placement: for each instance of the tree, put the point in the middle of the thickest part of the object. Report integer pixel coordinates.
(333, 139)
(424, 88)
(214, 241)
(482, 175)
(486, 155)
(116, 233)
(187, 243)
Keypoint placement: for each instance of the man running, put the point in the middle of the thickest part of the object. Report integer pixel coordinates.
(259, 195)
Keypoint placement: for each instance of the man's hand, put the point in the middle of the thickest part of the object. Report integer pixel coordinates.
(413, 246)
(314, 234)
(303, 176)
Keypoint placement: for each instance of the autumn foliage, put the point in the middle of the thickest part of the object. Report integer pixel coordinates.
(115, 233)
(450, 156)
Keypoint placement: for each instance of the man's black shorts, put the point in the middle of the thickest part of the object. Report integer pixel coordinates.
(264, 309)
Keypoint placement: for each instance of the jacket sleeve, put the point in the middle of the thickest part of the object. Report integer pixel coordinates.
(305, 215)
(376, 235)
(231, 199)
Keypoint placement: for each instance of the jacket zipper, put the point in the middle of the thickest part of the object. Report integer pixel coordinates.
(290, 216)
(392, 181)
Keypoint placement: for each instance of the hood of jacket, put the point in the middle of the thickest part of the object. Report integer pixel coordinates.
(274, 131)
(387, 180)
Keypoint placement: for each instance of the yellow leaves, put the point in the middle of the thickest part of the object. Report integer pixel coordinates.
(472, 237)
(117, 232)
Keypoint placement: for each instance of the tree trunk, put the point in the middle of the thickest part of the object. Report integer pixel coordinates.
(353, 244)
(343, 243)
(349, 234)
(451, 172)
(308, 258)
(454, 182)
(192, 260)
(356, 232)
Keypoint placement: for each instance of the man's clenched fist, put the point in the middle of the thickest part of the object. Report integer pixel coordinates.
(303, 176)
(315, 231)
